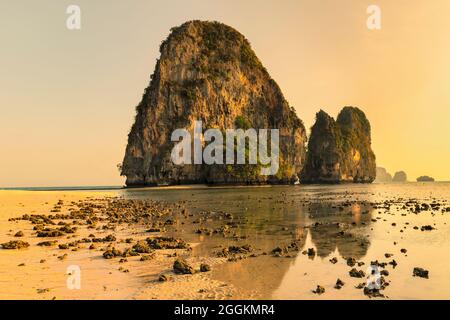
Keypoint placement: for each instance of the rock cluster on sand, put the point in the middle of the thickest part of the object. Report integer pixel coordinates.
(208, 72)
(15, 244)
(340, 150)
(182, 267)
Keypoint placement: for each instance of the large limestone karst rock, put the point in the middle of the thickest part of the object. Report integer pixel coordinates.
(340, 151)
(208, 72)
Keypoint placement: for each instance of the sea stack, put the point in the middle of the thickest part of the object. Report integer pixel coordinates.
(383, 176)
(208, 72)
(425, 179)
(340, 151)
(400, 176)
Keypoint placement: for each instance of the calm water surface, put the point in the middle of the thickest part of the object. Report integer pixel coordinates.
(313, 216)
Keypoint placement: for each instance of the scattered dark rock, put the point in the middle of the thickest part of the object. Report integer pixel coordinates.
(180, 266)
(156, 230)
(166, 243)
(339, 284)
(146, 257)
(111, 253)
(44, 290)
(163, 278)
(393, 263)
(334, 260)
(319, 290)
(142, 247)
(50, 233)
(427, 228)
(205, 267)
(15, 244)
(356, 273)
(373, 293)
(63, 257)
(351, 262)
(420, 272)
(47, 243)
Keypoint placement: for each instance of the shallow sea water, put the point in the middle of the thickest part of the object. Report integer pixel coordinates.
(271, 216)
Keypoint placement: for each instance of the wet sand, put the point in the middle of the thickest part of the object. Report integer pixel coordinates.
(255, 239)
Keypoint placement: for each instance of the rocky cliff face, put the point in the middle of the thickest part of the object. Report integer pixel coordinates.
(340, 151)
(208, 72)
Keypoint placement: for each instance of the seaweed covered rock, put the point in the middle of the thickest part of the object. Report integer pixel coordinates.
(15, 244)
(180, 266)
(340, 150)
(208, 72)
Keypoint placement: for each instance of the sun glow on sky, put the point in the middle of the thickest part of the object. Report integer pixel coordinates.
(67, 97)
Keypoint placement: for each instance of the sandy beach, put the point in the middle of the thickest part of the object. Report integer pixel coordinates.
(258, 243)
(40, 272)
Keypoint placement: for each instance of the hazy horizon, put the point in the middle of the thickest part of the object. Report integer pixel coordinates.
(68, 97)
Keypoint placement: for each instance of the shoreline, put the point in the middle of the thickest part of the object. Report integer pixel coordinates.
(205, 186)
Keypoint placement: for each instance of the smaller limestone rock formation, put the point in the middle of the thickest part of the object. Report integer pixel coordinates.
(340, 151)
(383, 176)
(425, 179)
(400, 176)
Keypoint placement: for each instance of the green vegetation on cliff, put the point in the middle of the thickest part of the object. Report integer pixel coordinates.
(340, 151)
(208, 71)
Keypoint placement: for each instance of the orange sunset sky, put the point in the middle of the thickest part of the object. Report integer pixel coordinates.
(68, 97)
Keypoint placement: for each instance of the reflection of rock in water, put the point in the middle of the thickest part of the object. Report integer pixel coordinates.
(262, 274)
(332, 228)
(342, 227)
(265, 273)
(266, 219)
